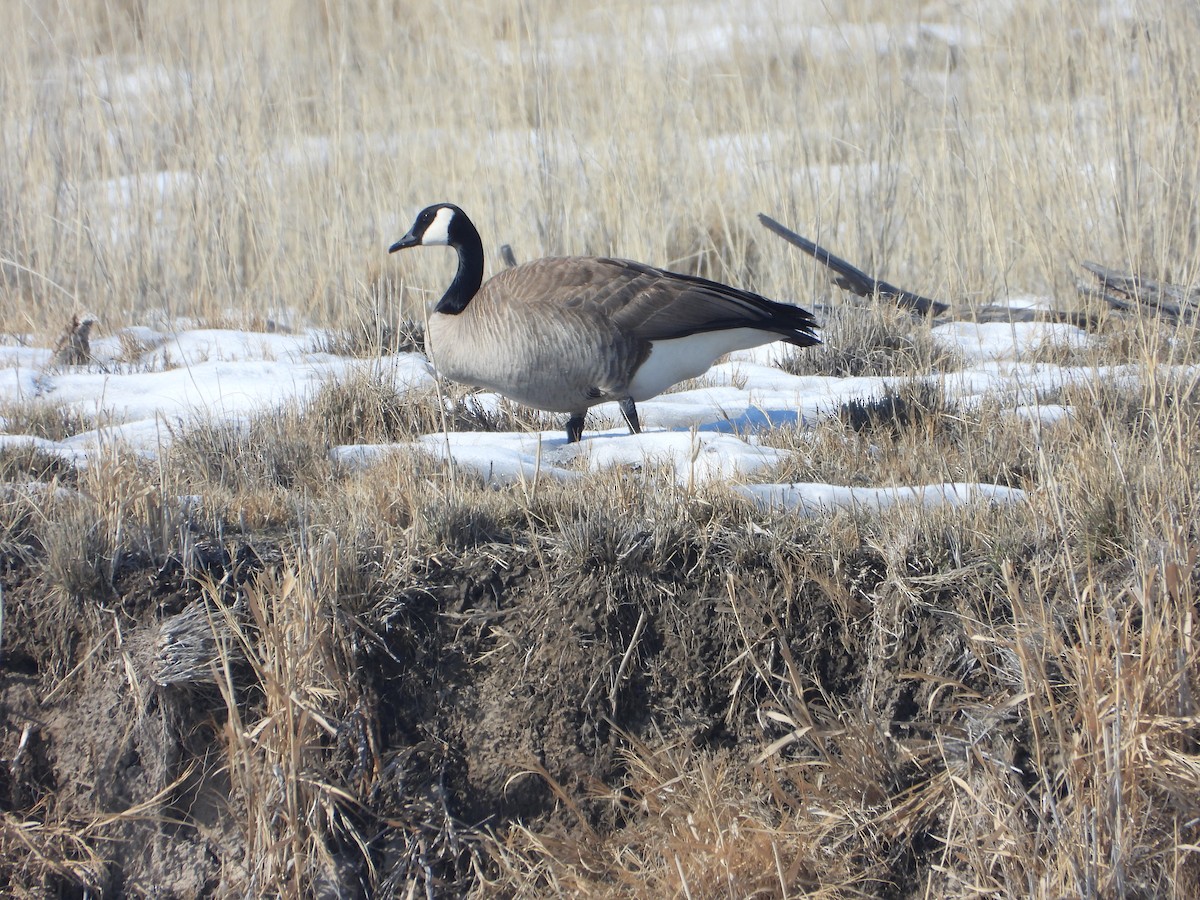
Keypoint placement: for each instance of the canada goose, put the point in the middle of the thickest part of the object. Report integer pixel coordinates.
(565, 333)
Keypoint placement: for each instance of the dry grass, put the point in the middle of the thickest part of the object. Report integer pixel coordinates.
(400, 681)
(278, 747)
(944, 703)
(873, 340)
(49, 421)
(162, 165)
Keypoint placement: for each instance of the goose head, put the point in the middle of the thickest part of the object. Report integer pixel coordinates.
(439, 225)
(445, 225)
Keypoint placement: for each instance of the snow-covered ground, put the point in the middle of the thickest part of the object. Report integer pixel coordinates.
(140, 398)
(146, 385)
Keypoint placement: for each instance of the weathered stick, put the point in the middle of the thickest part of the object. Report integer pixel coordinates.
(855, 280)
(1128, 292)
(859, 282)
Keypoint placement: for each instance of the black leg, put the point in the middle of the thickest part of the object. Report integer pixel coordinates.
(629, 411)
(575, 428)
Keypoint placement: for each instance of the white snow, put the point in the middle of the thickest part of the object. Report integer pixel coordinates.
(146, 385)
(689, 457)
(812, 497)
(221, 375)
(1007, 340)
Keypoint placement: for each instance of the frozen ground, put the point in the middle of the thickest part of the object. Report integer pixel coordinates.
(140, 398)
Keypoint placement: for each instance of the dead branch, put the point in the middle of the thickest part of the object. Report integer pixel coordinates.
(855, 280)
(1129, 293)
(859, 282)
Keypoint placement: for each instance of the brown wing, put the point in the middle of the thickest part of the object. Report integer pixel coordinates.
(650, 304)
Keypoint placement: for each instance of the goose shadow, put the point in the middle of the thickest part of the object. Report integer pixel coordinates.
(754, 419)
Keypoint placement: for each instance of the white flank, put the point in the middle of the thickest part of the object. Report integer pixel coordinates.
(672, 361)
(438, 232)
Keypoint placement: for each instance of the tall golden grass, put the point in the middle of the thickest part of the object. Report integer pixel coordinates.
(233, 161)
(1016, 713)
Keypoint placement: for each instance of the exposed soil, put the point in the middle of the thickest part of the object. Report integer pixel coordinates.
(491, 677)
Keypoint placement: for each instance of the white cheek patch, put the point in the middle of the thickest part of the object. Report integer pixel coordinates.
(438, 232)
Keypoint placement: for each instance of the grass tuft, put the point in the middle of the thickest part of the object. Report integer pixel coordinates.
(49, 421)
(874, 340)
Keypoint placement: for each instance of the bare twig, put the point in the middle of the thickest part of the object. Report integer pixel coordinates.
(621, 669)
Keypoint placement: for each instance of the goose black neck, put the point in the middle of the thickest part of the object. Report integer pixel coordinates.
(469, 276)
